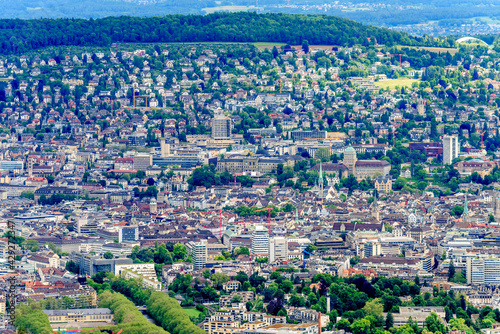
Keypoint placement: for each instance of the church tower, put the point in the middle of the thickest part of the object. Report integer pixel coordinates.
(320, 181)
(153, 207)
(350, 159)
(375, 209)
(465, 214)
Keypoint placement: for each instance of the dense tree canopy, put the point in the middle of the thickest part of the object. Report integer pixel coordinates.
(17, 36)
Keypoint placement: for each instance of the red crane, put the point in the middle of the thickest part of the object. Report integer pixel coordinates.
(268, 217)
(220, 220)
(398, 54)
(244, 227)
(482, 132)
(236, 174)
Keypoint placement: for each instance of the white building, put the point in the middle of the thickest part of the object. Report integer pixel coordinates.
(483, 270)
(144, 269)
(278, 249)
(451, 148)
(221, 127)
(199, 254)
(260, 241)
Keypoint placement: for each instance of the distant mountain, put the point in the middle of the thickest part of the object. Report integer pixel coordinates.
(24, 35)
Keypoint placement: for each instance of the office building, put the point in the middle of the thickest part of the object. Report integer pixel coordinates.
(260, 241)
(221, 127)
(483, 270)
(451, 148)
(278, 249)
(301, 135)
(199, 254)
(143, 161)
(137, 140)
(12, 166)
(128, 234)
(372, 248)
(165, 147)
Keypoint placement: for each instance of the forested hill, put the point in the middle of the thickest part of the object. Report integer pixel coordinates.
(18, 36)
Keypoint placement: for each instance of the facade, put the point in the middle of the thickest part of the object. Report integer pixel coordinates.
(479, 166)
(483, 270)
(383, 184)
(260, 241)
(362, 169)
(199, 254)
(221, 127)
(251, 164)
(128, 234)
(372, 248)
(137, 140)
(451, 148)
(278, 249)
(301, 135)
(79, 315)
(418, 314)
(142, 161)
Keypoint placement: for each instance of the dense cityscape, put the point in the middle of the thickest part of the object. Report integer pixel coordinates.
(251, 188)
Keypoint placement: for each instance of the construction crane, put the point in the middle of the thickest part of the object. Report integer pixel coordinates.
(236, 174)
(243, 222)
(268, 217)
(304, 252)
(482, 132)
(398, 54)
(220, 220)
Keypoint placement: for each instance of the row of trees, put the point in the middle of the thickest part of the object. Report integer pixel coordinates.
(127, 316)
(165, 310)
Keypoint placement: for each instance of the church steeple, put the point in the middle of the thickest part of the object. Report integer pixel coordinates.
(320, 181)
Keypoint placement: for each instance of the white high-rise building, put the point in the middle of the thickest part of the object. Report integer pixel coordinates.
(199, 254)
(451, 149)
(260, 241)
(483, 270)
(278, 249)
(221, 127)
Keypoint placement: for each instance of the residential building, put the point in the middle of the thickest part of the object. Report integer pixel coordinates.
(199, 254)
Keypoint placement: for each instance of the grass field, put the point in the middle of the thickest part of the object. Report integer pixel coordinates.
(393, 83)
(192, 312)
(452, 51)
(210, 10)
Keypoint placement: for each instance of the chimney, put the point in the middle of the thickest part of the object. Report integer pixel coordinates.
(319, 322)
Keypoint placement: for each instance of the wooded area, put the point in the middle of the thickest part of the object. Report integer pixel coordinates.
(18, 36)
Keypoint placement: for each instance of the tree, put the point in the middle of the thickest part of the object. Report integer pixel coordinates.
(374, 307)
(218, 279)
(305, 46)
(451, 270)
(108, 255)
(433, 323)
(323, 154)
(28, 195)
(389, 321)
(361, 326)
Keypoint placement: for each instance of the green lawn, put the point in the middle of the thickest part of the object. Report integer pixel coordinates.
(192, 312)
(393, 83)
